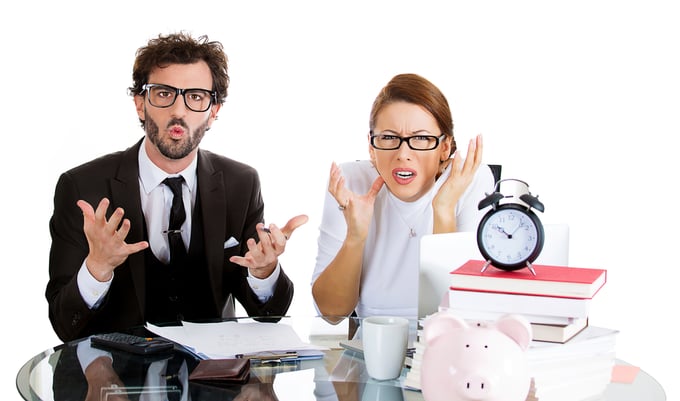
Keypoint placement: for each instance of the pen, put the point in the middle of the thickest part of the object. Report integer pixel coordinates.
(268, 231)
(270, 356)
(285, 361)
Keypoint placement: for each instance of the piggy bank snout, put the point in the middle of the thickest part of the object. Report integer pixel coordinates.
(474, 386)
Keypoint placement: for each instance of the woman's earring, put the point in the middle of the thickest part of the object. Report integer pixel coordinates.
(442, 165)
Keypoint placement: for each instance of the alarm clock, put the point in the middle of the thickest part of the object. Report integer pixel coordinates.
(510, 236)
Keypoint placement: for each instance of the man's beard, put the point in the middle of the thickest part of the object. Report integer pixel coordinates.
(170, 148)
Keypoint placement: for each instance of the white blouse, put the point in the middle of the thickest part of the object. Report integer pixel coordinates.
(389, 277)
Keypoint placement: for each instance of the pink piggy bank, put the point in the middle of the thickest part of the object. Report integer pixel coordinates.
(475, 362)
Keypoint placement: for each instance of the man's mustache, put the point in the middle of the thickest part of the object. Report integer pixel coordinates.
(178, 121)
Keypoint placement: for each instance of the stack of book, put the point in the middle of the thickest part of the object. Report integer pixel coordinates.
(568, 358)
(556, 300)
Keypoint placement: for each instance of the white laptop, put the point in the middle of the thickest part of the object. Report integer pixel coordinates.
(441, 253)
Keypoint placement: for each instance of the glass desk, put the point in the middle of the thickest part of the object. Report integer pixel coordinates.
(56, 374)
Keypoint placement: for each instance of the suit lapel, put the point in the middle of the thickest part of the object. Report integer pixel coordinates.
(212, 195)
(125, 194)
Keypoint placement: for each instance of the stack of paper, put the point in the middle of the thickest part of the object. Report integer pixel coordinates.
(232, 339)
(415, 361)
(576, 370)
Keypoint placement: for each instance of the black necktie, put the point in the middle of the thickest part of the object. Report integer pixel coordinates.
(174, 377)
(177, 217)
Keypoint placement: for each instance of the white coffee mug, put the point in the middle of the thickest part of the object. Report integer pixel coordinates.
(384, 341)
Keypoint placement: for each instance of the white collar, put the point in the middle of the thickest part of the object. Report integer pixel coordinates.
(152, 176)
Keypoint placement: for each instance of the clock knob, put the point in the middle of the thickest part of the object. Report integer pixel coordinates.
(492, 199)
(532, 201)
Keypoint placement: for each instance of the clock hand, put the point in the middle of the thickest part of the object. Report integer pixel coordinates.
(520, 225)
(502, 231)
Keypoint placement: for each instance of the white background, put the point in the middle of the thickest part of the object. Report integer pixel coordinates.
(580, 99)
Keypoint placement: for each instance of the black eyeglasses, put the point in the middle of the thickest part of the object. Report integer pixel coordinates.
(195, 99)
(415, 142)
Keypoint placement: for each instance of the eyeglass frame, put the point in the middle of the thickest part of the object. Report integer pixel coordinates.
(407, 139)
(178, 92)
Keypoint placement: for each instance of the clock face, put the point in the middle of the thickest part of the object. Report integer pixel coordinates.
(510, 236)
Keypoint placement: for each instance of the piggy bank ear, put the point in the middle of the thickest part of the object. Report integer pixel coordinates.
(516, 327)
(441, 323)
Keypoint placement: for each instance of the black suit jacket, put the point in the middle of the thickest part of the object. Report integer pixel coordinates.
(231, 203)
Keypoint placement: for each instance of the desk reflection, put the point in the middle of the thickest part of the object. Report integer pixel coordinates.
(82, 372)
(118, 376)
(61, 373)
(348, 380)
(102, 381)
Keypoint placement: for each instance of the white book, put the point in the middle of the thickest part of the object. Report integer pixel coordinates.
(558, 333)
(489, 316)
(519, 303)
(589, 342)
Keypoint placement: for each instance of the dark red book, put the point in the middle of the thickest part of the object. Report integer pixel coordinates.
(554, 281)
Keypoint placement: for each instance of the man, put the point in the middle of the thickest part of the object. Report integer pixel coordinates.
(125, 250)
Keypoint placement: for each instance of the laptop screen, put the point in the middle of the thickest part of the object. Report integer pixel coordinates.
(441, 253)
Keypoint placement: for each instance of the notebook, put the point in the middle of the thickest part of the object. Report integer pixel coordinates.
(441, 253)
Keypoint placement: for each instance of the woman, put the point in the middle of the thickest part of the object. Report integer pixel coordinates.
(376, 211)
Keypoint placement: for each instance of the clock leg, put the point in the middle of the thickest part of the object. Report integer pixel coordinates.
(531, 268)
(488, 262)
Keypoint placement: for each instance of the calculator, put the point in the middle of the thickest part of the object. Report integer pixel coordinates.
(131, 343)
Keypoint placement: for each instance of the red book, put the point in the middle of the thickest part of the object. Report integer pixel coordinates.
(554, 281)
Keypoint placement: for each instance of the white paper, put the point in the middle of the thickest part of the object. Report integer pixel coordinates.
(227, 339)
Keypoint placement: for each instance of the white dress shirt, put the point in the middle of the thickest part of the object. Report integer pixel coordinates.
(389, 275)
